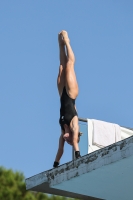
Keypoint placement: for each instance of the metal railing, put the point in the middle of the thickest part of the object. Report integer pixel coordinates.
(85, 120)
(82, 120)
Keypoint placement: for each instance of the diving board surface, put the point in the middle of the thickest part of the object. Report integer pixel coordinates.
(103, 174)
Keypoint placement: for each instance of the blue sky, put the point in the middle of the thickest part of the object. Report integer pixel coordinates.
(101, 34)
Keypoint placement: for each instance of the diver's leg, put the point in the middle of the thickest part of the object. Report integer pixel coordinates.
(70, 76)
(63, 60)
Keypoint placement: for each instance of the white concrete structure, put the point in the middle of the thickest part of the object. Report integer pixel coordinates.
(125, 133)
(86, 140)
(103, 174)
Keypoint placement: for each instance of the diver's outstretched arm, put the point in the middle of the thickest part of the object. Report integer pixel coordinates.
(60, 151)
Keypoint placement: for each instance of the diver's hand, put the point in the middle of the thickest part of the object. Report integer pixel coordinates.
(55, 164)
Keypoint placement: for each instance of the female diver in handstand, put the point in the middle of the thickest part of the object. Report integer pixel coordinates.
(68, 91)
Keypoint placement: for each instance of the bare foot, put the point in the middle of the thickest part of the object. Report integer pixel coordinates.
(65, 37)
(60, 40)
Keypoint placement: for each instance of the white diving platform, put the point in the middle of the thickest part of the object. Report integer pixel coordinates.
(106, 173)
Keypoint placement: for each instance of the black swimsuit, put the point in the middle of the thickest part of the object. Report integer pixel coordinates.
(67, 109)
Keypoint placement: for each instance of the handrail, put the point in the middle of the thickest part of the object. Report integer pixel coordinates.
(127, 128)
(85, 120)
(82, 119)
